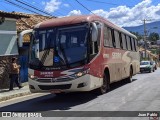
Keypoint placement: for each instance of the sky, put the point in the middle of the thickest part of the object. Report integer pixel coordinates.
(121, 12)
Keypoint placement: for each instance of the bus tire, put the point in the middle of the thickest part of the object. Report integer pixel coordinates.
(129, 79)
(153, 69)
(106, 84)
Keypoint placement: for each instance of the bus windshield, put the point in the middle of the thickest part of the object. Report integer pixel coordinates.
(61, 46)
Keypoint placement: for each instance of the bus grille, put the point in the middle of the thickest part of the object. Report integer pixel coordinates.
(53, 80)
(44, 80)
(49, 87)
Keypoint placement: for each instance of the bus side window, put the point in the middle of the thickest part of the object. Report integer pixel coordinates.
(110, 37)
(120, 40)
(113, 38)
(117, 40)
(128, 42)
(133, 44)
(106, 38)
(136, 45)
(124, 41)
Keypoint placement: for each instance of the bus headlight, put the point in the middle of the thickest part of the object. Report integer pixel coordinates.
(81, 73)
(33, 77)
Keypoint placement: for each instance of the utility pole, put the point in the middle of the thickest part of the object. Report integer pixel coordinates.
(145, 34)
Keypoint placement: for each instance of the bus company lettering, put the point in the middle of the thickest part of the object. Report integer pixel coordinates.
(116, 55)
(46, 74)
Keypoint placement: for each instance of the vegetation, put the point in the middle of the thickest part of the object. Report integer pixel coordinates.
(154, 36)
(139, 37)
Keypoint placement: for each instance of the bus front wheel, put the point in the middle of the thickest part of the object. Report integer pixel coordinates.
(106, 85)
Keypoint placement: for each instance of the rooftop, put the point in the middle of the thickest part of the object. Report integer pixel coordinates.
(28, 23)
(13, 15)
(25, 21)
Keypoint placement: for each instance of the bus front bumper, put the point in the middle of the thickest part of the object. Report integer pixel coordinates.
(84, 83)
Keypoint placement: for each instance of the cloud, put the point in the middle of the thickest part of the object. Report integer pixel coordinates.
(101, 12)
(131, 16)
(51, 6)
(74, 12)
(66, 5)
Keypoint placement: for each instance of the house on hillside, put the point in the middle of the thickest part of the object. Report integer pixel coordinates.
(8, 33)
(149, 55)
(8, 43)
(11, 24)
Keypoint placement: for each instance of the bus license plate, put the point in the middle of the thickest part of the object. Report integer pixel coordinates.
(56, 91)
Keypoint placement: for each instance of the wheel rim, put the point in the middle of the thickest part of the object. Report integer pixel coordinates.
(104, 86)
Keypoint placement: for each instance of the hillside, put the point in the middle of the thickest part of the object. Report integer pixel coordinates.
(149, 26)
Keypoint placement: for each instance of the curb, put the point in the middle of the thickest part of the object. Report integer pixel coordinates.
(14, 96)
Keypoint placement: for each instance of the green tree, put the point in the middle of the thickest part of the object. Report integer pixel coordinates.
(154, 36)
(139, 37)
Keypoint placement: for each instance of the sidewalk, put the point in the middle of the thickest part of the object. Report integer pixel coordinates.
(5, 94)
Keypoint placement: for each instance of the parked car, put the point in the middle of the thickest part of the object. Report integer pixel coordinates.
(146, 66)
(154, 65)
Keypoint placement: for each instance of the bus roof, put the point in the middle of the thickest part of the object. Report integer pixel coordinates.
(79, 19)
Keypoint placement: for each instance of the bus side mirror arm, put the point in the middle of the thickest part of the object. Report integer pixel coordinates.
(20, 40)
(94, 35)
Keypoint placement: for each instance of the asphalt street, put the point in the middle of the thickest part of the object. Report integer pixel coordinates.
(143, 94)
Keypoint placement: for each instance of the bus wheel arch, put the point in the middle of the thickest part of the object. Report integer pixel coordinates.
(106, 83)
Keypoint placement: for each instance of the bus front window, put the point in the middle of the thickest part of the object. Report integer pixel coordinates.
(59, 47)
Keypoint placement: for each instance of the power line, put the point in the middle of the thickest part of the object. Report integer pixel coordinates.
(31, 6)
(21, 6)
(4, 6)
(84, 7)
(106, 3)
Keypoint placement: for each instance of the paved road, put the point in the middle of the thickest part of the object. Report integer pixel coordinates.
(143, 94)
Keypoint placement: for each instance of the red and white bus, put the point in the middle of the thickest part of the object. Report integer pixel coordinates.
(80, 53)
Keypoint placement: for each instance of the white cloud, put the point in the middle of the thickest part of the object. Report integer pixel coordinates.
(51, 6)
(125, 16)
(74, 12)
(66, 5)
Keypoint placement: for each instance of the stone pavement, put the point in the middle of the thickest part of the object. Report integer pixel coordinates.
(5, 94)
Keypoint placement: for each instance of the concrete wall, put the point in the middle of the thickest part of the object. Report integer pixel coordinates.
(8, 38)
(8, 49)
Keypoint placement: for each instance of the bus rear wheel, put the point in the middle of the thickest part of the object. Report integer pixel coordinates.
(129, 79)
(106, 85)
